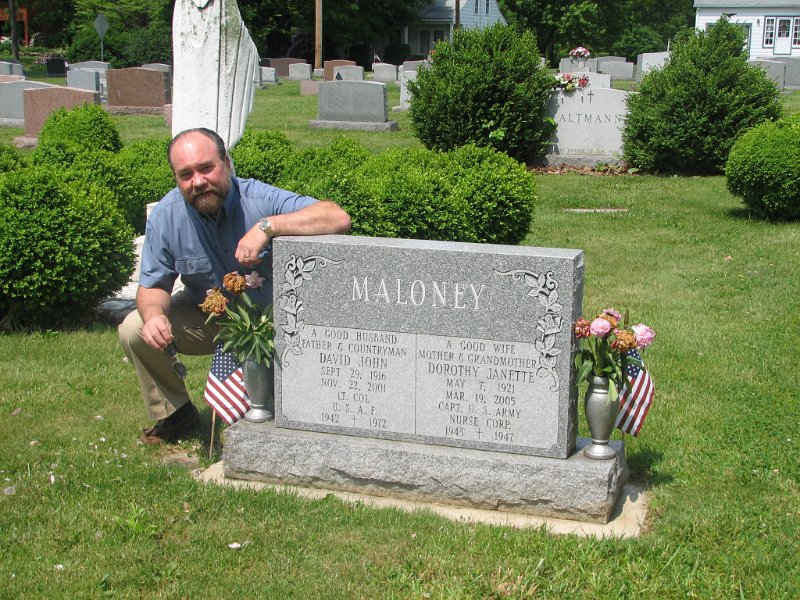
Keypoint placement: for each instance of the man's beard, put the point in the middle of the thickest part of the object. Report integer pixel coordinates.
(208, 201)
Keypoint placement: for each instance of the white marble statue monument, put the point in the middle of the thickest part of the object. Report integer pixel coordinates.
(215, 63)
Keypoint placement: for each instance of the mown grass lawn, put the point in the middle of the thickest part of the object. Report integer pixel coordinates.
(88, 512)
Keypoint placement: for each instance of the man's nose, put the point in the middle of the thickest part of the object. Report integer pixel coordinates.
(199, 180)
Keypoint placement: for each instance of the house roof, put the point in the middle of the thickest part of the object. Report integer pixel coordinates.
(438, 10)
(747, 4)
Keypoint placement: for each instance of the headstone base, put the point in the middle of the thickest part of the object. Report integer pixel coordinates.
(581, 160)
(23, 141)
(358, 125)
(4, 122)
(575, 488)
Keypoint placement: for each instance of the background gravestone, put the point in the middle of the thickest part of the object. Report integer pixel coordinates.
(56, 67)
(83, 79)
(648, 61)
(39, 104)
(330, 65)
(385, 72)
(575, 65)
(348, 73)
(138, 87)
(616, 69)
(358, 105)
(299, 71)
(281, 65)
(11, 68)
(774, 69)
(589, 126)
(11, 100)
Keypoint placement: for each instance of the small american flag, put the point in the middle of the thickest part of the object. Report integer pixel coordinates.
(635, 398)
(225, 392)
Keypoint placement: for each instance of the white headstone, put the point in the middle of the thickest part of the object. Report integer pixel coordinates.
(596, 80)
(385, 72)
(85, 79)
(268, 75)
(299, 71)
(11, 99)
(774, 69)
(617, 69)
(577, 65)
(348, 73)
(405, 95)
(648, 61)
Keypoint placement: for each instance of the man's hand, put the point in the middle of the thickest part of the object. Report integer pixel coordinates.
(253, 242)
(153, 305)
(320, 218)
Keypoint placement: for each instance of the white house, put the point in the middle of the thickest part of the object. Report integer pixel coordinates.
(437, 21)
(772, 26)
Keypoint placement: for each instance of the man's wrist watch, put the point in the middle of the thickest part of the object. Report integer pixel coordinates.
(265, 226)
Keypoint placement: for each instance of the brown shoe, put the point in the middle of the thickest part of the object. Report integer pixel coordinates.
(177, 424)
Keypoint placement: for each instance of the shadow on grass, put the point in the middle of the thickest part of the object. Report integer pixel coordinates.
(641, 463)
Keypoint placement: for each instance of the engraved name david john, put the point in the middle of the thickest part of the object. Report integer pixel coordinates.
(356, 359)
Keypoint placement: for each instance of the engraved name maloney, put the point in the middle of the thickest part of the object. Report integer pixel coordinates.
(415, 385)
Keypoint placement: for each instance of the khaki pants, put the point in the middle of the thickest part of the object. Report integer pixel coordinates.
(163, 391)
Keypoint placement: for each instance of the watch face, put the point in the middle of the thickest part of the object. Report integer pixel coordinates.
(265, 226)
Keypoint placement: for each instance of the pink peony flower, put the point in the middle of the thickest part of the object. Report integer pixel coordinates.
(644, 335)
(613, 313)
(600, 327)
(254, 280)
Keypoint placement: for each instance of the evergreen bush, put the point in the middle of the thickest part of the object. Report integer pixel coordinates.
(499, 191)
(10, 158)
(688, 114)
(146, 163)
(87, 127)
(261, 154)
(763, 169)
(61, 250)
(487, 88)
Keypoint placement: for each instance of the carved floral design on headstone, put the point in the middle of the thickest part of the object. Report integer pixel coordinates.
(298, 270)
(543, 287)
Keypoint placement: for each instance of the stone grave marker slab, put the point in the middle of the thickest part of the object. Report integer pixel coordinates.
(268, 75)
(40, 103)
(451, 344)
(84, 79)
(11, 68)
(348, 73)
(353, 105)
(648, 61)
(138, 87)
(589, 126)
(330, 65)
(11, 98)
(616, 69)
(597, 80)
(300, 71)
(575, 65)
(56, 67)
(405, 94)
(385, 72)
(281, 65)
(775, 70)
(792, 75)
(428, 371)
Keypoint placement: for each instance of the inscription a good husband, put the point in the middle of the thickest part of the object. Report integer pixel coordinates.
(442, 343)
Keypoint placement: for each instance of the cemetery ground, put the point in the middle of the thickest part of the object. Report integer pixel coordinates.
(88, 511)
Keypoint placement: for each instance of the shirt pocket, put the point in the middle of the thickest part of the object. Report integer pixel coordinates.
(196, 272)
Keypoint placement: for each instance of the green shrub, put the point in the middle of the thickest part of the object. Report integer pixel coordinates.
(500, 193)
(261, 154)
(146, 163)
(10, 158)
(763, 169)
(86, 46)
(689, 113)
(102, 169)
(413, 189)
(485, 88)
(61, 250)
(86, 126)
(312, 169)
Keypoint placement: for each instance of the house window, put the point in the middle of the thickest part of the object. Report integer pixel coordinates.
(769, 32)
(424, 41)
(783, 28)
(476, 7)
(438, 35)
(796, 36)
(487, 7)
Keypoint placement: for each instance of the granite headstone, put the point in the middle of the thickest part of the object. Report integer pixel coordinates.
(83, 79)
(358, 105)
(299, 71)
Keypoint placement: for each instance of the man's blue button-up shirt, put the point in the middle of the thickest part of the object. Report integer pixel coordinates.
(179, 240)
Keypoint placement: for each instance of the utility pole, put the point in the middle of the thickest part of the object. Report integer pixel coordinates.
(318, 35)
(458, 15)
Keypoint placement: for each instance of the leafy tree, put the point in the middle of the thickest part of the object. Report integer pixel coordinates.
(689, 113)
(624, 25)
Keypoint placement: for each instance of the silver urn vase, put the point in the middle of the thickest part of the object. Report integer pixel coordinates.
(259, 381)
(601, 413)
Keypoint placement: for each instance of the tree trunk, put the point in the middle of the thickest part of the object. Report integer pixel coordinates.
(12, 25)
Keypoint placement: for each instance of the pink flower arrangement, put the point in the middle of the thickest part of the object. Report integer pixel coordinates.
(569, 82)
(580, 52)
(608, 346)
